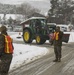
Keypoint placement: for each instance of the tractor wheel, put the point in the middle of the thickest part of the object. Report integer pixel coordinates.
(27, 36)
(40, 39)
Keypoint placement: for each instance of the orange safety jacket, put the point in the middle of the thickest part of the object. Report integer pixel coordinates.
(8, 44)
(56, 35)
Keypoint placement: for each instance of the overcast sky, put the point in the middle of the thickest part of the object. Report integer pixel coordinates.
(17, 1)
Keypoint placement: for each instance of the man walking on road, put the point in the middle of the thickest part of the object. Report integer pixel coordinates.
(57, 44)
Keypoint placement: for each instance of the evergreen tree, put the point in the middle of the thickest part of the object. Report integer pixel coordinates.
(62, 10)
(54, 6)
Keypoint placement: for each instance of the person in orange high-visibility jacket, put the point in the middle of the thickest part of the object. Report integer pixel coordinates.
(6, 51)
(57, 44)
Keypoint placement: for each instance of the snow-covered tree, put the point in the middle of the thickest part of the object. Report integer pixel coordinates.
(26, 9)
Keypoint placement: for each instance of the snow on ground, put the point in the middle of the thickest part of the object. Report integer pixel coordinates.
(24, 53)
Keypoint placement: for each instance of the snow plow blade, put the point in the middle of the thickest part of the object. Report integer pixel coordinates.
(65, 38)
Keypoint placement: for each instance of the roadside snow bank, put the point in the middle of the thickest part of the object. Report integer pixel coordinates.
(24, 54)
(71, 38)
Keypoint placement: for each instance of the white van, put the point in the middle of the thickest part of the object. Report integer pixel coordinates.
(63, 27)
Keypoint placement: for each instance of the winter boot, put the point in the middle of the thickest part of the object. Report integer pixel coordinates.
(56, 60)
(59, 59)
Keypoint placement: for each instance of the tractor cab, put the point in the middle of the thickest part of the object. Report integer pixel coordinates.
(37, 24)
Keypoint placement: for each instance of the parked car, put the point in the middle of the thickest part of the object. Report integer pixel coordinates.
(63, 27)
(18, 29)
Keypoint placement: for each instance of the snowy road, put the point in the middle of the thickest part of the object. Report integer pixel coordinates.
(45, 66)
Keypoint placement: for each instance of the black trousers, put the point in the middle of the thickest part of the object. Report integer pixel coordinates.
(57, 51)
(5, 63)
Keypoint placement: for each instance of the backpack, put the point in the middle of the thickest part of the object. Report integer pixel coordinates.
(8, 47)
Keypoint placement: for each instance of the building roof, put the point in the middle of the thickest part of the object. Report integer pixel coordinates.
(32, 18)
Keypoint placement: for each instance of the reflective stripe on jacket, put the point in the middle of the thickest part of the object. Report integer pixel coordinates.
(8, 44)
(56, 35)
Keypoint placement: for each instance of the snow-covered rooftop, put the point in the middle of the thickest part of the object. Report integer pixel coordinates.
(33, 18)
